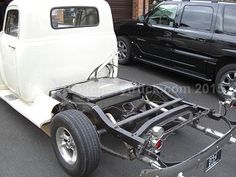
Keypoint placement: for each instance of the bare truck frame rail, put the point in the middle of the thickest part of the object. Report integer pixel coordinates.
(142, 116)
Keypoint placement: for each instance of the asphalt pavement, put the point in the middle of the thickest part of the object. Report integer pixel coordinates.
(25, 151)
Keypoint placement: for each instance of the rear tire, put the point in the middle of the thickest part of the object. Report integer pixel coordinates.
(75, 142)
(124, 50)
(226, 79)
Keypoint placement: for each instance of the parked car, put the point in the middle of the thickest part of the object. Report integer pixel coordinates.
(194, 38)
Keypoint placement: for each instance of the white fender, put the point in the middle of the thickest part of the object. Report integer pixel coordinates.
(38, 112)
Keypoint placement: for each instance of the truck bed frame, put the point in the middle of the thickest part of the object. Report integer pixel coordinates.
(141, 114)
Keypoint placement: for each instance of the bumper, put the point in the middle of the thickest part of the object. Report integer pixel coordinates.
(196, 160)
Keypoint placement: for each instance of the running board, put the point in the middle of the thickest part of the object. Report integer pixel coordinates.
(38, 112)
(173, 69)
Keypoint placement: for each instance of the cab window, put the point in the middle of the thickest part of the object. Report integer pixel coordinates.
(74, 17)
(230, 19)
(12, 23)
(163, 15)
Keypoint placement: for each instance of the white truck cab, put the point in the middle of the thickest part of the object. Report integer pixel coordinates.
(38, 53)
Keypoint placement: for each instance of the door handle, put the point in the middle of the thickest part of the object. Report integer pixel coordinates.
(169, 45)
(12, 47)
(201, 40)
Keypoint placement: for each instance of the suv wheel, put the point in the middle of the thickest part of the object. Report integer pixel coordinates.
(124, 50)
(226, 80)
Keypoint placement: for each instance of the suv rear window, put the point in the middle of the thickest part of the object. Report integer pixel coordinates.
(230, 19)
(197, 17)
(74, 17)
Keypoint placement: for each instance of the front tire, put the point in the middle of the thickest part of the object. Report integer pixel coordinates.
(124, 50)
(75, 142)
(226, 80)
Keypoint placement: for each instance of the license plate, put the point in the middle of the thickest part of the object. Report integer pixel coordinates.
(213, 160)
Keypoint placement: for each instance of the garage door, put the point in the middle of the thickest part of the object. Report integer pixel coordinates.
(121, 9)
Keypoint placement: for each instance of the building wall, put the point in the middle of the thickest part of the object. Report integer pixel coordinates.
(121, 9)
(128, 9)
(138, 7)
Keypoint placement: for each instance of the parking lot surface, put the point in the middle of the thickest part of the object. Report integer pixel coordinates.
(25, 151)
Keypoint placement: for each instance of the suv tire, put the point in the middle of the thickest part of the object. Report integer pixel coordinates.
(226, 80)
(124, 50)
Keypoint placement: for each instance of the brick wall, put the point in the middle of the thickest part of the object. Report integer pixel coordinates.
(138, 7)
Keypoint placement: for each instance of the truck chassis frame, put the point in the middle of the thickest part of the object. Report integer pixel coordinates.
(173, 111)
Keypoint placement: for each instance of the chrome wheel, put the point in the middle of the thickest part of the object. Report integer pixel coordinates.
(228, 82)
(122, 50)
(66, 145)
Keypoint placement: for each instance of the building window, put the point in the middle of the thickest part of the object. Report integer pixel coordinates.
(197, 17)
(74, 17)
(12, 23)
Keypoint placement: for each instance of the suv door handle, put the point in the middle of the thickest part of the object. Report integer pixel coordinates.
(12, 47)
(169, 45)
(201, 39)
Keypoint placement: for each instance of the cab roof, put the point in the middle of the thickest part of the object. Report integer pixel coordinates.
(54, 3)
(35, 17)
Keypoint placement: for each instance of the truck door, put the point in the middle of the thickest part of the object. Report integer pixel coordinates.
(8, 43)
(192, 38)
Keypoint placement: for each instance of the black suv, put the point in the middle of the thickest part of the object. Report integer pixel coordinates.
(196, 38)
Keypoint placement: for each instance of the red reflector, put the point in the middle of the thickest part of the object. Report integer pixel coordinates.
(159, 144)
